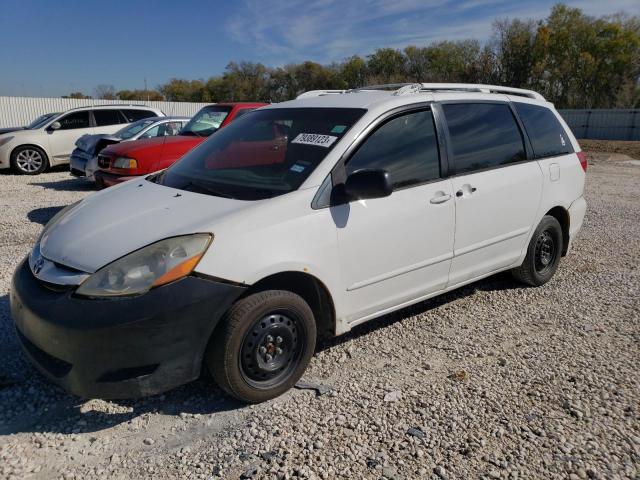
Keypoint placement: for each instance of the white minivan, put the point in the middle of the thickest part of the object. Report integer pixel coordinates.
(30, 151)
(301, 219)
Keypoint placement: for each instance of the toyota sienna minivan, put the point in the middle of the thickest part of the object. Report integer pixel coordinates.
(301, 219)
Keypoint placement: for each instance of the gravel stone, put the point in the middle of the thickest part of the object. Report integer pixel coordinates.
(563, 404)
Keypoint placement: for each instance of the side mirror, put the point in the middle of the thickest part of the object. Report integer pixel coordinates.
(366, 183)
(55, 126)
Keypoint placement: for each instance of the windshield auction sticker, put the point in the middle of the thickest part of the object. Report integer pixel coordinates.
(315, 139)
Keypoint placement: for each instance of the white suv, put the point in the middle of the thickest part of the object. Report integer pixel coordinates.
(32, 150)
(302, 218)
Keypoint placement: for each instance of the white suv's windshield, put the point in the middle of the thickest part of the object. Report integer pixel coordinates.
(41, 120)
(134, 128)
(264, 154)
(206, 121)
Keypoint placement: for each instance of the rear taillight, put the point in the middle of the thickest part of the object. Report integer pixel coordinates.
(583, 160)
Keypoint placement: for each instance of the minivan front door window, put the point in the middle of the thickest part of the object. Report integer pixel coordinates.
(405, 146)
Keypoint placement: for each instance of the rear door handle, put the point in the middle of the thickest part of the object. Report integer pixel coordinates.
(441, 198)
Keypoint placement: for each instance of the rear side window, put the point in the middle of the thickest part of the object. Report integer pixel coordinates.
(75, 120)
(405, 146)
(133, 115)
(483, 135)
(546, 134)
(104, 118)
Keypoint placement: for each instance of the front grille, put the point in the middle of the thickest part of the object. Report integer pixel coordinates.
(104, 161)
(55, 366)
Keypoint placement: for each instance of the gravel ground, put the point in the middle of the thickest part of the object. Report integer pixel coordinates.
(491, 381)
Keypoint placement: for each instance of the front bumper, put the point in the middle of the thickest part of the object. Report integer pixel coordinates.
(118, 348)
(78, 165)
(107, 179)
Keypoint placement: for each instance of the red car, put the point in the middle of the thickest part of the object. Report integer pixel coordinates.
(123, 161)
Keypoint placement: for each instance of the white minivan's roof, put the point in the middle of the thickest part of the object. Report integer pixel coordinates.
(373, 96)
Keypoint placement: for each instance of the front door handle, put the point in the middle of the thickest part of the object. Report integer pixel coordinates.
(441, 197)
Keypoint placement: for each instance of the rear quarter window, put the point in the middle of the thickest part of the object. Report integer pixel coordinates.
(545, 132)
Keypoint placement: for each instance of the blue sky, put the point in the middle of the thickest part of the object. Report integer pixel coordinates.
(50, 48)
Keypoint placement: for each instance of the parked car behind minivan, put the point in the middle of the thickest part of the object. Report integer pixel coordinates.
(31, 151)
(84, 159)
(119, 163)
(305, 218)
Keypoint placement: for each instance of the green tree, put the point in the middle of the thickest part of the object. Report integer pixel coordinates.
(76, 95)
(386, 65)
(152, 95)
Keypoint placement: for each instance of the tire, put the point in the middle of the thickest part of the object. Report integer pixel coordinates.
(543, 254)
(29, 160)
(263, 346)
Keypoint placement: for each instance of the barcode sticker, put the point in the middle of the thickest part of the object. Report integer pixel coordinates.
(315, 139)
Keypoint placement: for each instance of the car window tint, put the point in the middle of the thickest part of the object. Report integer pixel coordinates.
(405, 146)
(483, 135)
(105, 118)
(133, 115)
(546, 134)
(75, 120)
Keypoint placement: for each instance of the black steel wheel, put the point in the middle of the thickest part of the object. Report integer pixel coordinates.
(263, 346)
(271, 349)
(543, 253)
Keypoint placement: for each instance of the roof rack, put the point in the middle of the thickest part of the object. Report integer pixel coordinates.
(120, 105)
(319, 93)
(471, 87)
(409, 88)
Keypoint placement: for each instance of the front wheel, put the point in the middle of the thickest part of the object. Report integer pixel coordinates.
(263, 346)
(29, 160)
(543, 253)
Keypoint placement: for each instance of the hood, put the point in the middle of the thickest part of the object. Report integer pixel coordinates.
(11, 129)
(88, 143)
(114, 222)
(146, 144)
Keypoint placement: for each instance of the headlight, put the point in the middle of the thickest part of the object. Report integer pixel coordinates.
(4, 140)
(124, 162)
(151, 266)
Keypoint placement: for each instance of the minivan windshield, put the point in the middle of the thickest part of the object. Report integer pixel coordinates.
(134, 128)
(41, 120)
(264, 154)
(206, 121)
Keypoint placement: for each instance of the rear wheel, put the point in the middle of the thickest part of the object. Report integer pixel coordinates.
(29, 160)
(263, 347)
(543, 253)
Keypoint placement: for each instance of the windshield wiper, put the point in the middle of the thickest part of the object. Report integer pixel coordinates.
(192, 186)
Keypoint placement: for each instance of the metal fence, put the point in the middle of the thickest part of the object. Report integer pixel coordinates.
(18, 111)
(604, 124)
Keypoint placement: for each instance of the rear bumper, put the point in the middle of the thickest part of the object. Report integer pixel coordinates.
(577, 212)
(107, 179)
(118, 348)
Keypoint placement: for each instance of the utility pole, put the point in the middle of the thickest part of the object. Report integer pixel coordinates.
(146, 92)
